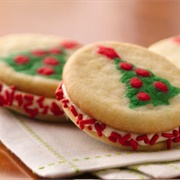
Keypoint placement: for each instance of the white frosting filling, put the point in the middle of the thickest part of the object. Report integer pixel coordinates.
(47, 102)
(108, 130)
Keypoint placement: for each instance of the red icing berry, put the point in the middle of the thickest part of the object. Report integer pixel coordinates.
(160, 86)
(125, 66)
(177, 39)
(136, 82)
(69, 44)
(39, 52)
(108, 52)
(142, 72)
(45, 71)
(21, 59)
(143, 96)
(55, 51)
(50, 61)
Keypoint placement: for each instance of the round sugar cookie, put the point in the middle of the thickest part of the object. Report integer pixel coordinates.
(31, 68)
(122, 94)
(169, 48)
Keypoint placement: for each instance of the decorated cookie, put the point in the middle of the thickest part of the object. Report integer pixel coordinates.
(169, 48)
(31, 67)
(123, 95)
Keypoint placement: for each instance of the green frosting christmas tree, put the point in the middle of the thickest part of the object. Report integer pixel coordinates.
(41, 62)
(143, 87)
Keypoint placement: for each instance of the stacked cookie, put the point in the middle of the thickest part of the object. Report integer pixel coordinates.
(31, 67)
(123, 95)
(169, 48)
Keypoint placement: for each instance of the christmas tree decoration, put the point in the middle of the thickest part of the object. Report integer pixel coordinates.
(143, 87)
(41, 62)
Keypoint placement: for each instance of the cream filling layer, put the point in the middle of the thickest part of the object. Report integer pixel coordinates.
(29, 103)
(107, 131)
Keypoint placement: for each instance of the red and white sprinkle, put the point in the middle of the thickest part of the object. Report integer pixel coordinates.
(114, 135)
(29, 103)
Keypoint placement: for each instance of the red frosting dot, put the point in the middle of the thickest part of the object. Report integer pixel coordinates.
(108, 52)
(69, 44)
(160, 86)
(45, 70)
(55, 51)
(177, 39)
(125, 66)
(142, 72)
(51, 61)
(143, 96)
(136, 82)
(21, 59)
(39, 52)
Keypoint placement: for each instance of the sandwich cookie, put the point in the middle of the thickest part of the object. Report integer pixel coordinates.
(31, 67)
(123, 95)
(169, 48)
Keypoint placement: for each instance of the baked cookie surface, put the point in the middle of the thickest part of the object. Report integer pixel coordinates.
(31, 67)
(169, 48)
(121, 88)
